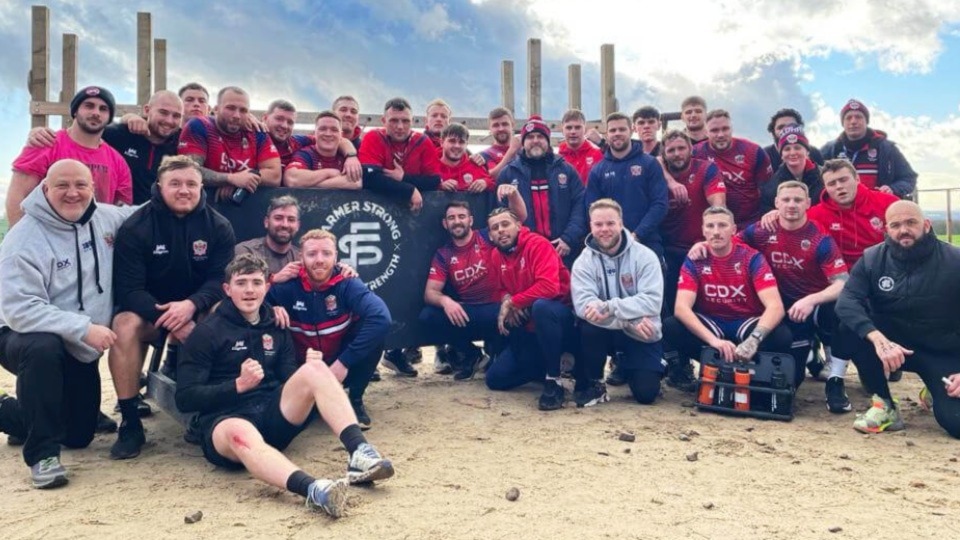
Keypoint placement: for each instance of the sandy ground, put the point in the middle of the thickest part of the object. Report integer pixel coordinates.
(458, 448)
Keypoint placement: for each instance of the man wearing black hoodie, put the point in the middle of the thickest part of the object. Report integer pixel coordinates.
(169, 262)
(878, 161)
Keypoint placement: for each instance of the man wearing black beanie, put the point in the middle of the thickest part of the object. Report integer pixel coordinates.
(92, 109)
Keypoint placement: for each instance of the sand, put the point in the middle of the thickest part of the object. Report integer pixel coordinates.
(458, 448)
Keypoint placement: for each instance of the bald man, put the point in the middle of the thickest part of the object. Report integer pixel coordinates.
(901, 301)
(143, 141)
(56, 303)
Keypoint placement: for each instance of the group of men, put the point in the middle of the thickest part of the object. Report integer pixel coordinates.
(642, 250)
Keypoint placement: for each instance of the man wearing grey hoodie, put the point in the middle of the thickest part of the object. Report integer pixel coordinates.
(617, 288)
(56, 301)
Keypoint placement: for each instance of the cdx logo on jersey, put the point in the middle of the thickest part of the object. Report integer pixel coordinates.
(785, 259)
(724, 291)
(369, 240)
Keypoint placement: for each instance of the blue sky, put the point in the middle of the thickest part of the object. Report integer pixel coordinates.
(751, 57)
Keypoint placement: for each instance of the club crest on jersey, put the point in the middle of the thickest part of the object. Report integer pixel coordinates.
(330, 302)
(562, 178)
(738, 268)
(872, 154)
(109, 239)
(589, 160)
(635, 170)
(468, 178)
(804, 244)
(739, 158)
(876, 223)
(886, 283)
(199, 248)
(627, 281)
(267, 342)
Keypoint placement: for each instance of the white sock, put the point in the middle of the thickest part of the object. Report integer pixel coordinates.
(838, 367)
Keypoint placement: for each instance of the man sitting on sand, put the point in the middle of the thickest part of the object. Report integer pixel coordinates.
(239, 371)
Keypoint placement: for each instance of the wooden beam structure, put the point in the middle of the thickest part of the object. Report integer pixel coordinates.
(534, 77)
(39, 77)
(507, 94)
(608, 86)
(144, 57)
(68, 80)
(574, 83)
(159, 65)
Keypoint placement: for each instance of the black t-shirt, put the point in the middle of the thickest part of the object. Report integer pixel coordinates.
(142, 156)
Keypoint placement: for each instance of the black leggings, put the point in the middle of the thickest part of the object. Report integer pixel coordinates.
(931, 366)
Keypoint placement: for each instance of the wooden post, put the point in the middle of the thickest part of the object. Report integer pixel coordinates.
(534, 80)
(608, 90)
(144, 57)
(68, 85)
(506, 85)
(949, 216)
(159, 65)
(574, 98)
(38, 80)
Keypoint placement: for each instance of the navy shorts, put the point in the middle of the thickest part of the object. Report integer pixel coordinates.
(265, 415)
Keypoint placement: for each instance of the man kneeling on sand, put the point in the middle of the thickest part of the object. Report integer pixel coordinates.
(239, 371)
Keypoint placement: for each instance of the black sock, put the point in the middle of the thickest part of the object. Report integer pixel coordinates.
(128, 411)
(352, 438)
(299, 483)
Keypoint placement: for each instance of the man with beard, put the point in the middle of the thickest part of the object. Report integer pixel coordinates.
(617, 286)
(552, 190)
(646, 124)
(457, 172)
(169, 262)
(901, 302)
(691, 112)
(348, 109)
(230, 157)
(535, 310)
(575, 148)
(55, 309)
(461, 292)
(397, 161)
(505, 144)
(743, 164)
(324, 164)
(438, 118)
(877, 160)
(276, 248)
(92, 109)
(634, 180)
(781, 119)
(333, 314)
(143, 146)
(278, 121)
(727, 300)
(796, 165)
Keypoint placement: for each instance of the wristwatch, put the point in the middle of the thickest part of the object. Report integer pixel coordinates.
(756, 334)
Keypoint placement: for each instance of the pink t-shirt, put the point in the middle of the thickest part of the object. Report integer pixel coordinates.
(111, 175)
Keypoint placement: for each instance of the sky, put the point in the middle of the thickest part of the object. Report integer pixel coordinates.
(751, 57)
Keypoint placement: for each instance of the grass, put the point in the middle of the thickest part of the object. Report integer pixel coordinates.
(955, 241)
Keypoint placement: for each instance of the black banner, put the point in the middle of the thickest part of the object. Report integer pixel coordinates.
(389, 246)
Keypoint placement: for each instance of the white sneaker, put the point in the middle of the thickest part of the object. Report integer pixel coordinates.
(367, 465)
(327, 495)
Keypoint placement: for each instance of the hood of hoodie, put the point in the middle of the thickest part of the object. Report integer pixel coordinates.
(229, 311)
(830, 203)
(626, 240)
(37, 206)
(335, 277)
(636, 148)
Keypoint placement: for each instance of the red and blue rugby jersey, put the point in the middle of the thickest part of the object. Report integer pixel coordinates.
(225, 152)
(727, 287)
(683, 226)
(467, 269)
(744, 166)
(416, 155)
(310, 159)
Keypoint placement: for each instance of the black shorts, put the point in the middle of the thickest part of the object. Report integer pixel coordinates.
(265, 415)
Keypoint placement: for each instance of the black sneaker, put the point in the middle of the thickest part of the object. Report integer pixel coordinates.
(13, 440)
(616, 376)
(363, 419)
(680, 375)
(397, 361)
(469, 365)
(192, 434)
(837, 401)
(130, 440)
(105, 424)
(445, 360)
(375, 377)
(595, 394)
(552, 397)
(143, 409)
(413, 354)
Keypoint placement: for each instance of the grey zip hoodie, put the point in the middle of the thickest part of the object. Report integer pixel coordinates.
(627, 284)
(55, 275)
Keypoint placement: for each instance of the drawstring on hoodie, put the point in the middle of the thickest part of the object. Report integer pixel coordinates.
(96, 262)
